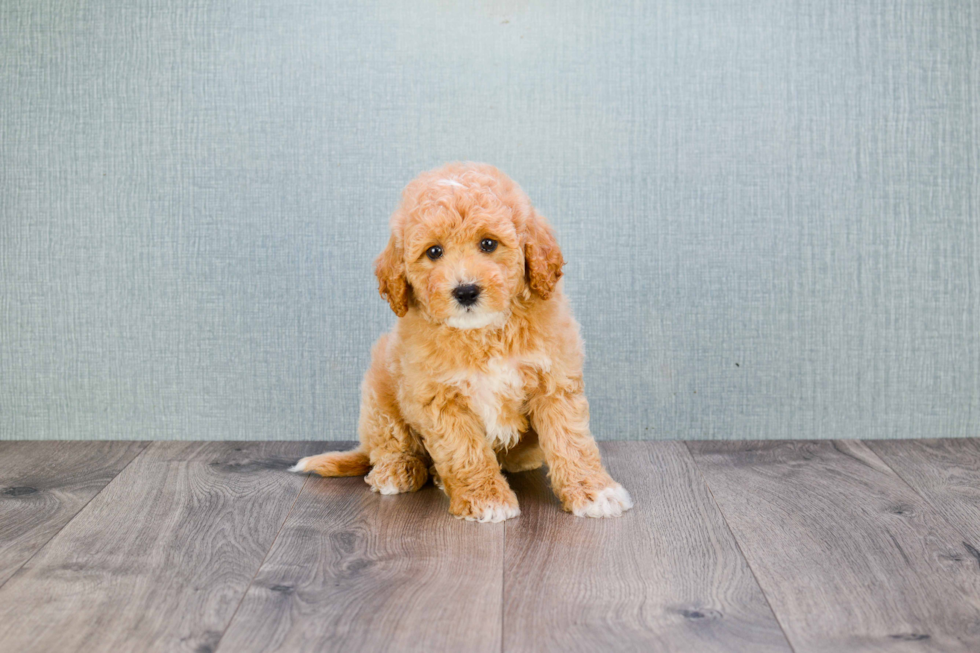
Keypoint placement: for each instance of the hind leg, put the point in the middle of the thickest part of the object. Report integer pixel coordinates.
(398, 473)
(396, 453)
(523, 457)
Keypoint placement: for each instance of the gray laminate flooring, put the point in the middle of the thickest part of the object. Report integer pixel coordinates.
(732, 546)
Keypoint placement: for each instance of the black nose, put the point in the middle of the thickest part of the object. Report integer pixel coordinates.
(467, 295)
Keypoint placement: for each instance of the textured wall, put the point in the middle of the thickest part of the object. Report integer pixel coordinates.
(770, 209)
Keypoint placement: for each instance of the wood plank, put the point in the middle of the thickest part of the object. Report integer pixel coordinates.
(44, 484)
(357, 571)
(160, 559)
(850, 557)
(667, 576)
(947, 474)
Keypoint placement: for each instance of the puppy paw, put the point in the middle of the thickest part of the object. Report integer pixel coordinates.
(397, 474)
(495, 508)
(611, 501)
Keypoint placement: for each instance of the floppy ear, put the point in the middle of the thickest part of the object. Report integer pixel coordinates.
(542, 257)
(389, 267)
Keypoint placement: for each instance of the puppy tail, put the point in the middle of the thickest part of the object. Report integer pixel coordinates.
(335, 463)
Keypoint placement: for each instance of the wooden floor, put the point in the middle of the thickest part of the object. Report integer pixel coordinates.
(732, 546)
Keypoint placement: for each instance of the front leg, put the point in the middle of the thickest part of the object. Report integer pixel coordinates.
(464, 460)
(561, 419)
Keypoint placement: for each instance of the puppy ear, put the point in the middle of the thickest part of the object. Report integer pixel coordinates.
(389, 267)
(542, 257)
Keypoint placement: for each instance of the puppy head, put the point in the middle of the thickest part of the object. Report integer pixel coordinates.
(465, 244)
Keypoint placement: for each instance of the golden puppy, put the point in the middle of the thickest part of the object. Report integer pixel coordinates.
(483, 369)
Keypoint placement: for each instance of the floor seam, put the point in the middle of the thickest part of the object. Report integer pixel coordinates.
(146, 446)
(503, 584)
(738, 545)
(272, 545)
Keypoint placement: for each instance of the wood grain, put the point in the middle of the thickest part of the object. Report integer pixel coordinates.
(44, 484)
(667, 576)
(357, 571)
(947, 474)
(850, 557)
(168, 556)
(161, 558)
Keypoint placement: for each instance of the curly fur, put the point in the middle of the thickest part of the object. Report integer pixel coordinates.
(458, 392)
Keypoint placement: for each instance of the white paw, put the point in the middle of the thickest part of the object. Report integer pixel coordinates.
(385, 488)
(299, 467)
(495, 513)
(611, 502)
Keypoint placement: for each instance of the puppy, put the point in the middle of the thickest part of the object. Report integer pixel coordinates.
(483, 370)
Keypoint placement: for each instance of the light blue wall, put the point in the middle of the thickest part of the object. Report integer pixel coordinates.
(769, 208)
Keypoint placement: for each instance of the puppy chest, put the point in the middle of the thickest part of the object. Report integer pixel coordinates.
(496, 396)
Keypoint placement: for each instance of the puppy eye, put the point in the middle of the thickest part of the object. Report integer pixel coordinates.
(488, 245)
(433, 252)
